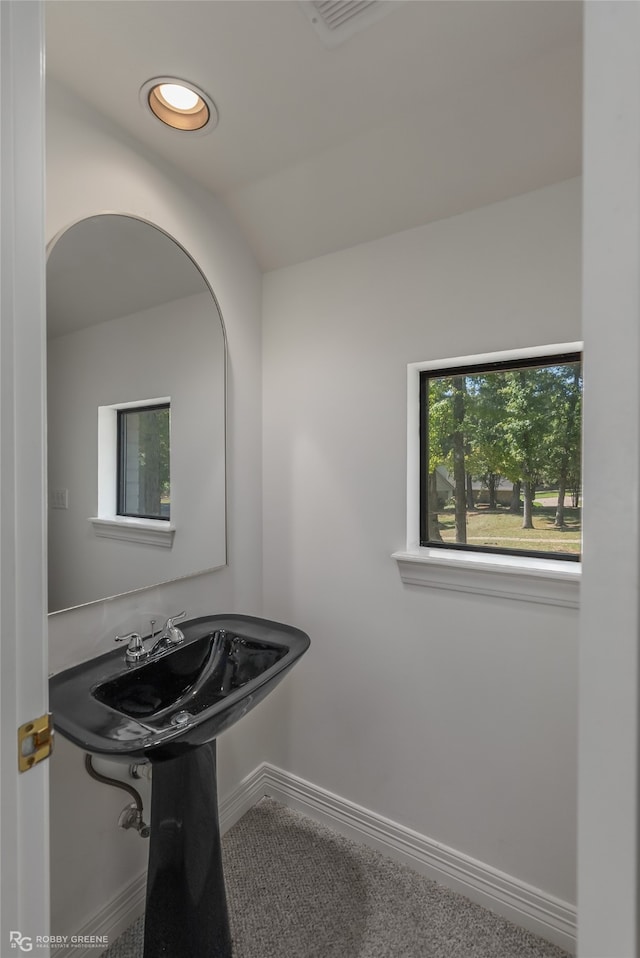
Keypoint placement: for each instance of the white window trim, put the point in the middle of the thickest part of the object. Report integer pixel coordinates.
(108, 524)
(151, 532)
(525, 578)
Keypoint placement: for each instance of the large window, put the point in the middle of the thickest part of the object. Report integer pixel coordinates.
(144, 489)
(500, 457)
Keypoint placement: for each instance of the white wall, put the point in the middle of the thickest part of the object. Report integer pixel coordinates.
(452, 714)
(177, 351)
(609, 731)
(92, 168)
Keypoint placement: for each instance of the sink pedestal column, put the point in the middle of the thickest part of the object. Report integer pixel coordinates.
(186, 913)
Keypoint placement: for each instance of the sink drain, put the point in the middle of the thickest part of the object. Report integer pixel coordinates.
(180, 718)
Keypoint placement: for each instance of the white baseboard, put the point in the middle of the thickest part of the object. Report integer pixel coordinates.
(111, 921)
(244, 796)
(529, 907)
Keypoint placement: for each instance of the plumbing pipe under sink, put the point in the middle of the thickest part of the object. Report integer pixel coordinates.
(131, 816)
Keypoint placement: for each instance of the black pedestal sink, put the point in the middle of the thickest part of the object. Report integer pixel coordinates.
(169, 710)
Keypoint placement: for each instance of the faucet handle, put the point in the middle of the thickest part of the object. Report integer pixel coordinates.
(171, 632)
(135, 649)
(175, 618)
(135, 638)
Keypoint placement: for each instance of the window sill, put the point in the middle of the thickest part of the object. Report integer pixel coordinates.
(150, 532)
(526, 579)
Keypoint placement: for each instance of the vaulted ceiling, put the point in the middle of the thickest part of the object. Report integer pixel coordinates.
(438, 107)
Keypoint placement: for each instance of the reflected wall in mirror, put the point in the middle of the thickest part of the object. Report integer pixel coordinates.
(131, 322)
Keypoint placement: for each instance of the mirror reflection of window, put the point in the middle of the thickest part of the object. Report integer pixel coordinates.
(144, 454)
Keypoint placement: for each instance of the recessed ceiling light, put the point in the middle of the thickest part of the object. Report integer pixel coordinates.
(179, 104)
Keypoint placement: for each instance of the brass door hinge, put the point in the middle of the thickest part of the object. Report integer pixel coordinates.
(35, 742)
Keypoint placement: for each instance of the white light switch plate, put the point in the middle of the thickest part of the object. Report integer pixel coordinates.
(59, 498)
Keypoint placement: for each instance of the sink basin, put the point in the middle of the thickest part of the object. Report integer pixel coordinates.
(159, 708)
(169, 710)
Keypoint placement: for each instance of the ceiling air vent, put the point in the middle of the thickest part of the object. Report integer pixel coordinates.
(336, 20)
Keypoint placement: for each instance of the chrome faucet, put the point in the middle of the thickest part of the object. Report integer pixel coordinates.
(169, 636)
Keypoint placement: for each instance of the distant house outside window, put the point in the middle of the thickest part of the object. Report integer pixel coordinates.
(500, 456)
(144, 480)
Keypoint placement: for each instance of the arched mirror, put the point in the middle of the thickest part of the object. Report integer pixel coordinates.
(136, 413)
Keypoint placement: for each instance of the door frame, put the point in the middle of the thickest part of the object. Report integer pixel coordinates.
(24, 801)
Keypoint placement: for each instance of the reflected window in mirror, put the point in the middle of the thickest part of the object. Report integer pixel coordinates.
(144, 456)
